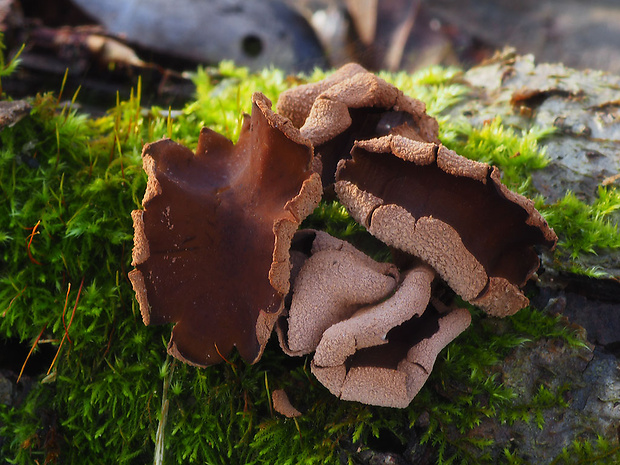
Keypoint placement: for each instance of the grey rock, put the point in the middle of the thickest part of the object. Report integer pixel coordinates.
(600, 397)
(601, 320)
(582, 105)
(370, 457)
(587, 380)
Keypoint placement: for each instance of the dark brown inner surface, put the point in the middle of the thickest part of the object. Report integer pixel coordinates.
(401, 339)
(491, 227)
(211, 236)
(367, 123)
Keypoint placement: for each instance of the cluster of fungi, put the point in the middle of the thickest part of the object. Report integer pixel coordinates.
(218, 250)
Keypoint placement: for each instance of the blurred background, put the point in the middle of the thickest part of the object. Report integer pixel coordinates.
(105, 44)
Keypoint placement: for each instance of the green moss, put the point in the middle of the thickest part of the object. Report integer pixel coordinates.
(585, 228)
(436, 86)
(69, 183)
(517, 154)
(600, 452)
(6, 69)
(63, 274)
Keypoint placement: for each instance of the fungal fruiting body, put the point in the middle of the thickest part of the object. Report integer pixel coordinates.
(373, 330)
(211, 245)
(449, 211)
(352, 105)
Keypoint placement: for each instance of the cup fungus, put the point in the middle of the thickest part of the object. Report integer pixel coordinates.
(352, 104)
(374, 334)
(451, 212)
(334, 281)
(282, 404)
(211, 247)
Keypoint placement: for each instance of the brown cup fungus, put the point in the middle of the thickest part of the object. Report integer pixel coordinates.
(352, 104)
(335, 279)
(282, 404)
(449, 211)
(374, 334)
(211, 247)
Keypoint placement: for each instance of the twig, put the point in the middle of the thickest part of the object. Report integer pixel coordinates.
(30, 237)
(13, 300)
(36, 341)
(66, 335)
